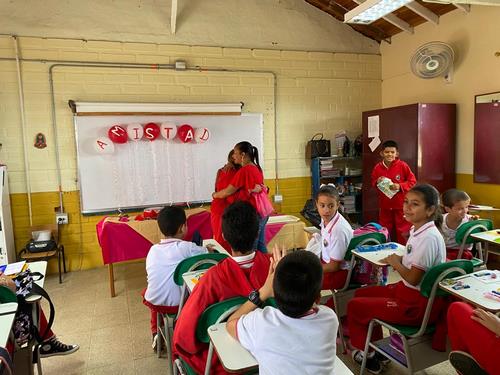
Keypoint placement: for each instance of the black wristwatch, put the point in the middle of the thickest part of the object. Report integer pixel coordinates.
(254, 297)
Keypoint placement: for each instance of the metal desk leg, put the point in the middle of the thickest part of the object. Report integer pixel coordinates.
(111, 280)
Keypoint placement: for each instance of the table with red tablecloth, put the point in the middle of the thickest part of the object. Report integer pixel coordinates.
(122, 240)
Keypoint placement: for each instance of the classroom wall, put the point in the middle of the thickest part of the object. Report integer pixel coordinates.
(474, 38)
(317, 92)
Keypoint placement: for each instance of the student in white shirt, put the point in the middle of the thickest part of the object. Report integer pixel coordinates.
(162, 293)
(456, 204)
(298, 337)
(402, 302)
(336, 233)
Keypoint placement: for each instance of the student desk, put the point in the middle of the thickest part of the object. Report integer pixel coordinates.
(474, 294)
(235, 358)
(192, 278)
(122, 241)
(489, 237)
(7, 315)
(375, 257)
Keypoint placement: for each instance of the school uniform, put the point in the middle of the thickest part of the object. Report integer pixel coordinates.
(472, 337)
(223, 179)
(399, 303)
(391, 209)
(452, 247)
(162, 293)
(285, 345)
(234, 276)
(335, 238)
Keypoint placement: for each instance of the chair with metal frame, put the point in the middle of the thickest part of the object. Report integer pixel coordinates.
(464, 238)
(166, 322)
(45, 255)
(214, 314)
(417, 351)
(342, 296)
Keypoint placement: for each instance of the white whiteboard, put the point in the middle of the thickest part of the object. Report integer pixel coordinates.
(146, 174)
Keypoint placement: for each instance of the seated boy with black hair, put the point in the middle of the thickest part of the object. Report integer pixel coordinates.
(298, 337)
(239, 275)
(162, 293)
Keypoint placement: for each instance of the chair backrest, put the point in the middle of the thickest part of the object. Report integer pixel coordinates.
(197, 262)
(465, 230)
(7, 295)
(216, 313)
(54, 229)
(432, 275)
(374, 238)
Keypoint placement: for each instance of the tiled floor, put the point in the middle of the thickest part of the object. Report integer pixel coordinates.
(113, 333)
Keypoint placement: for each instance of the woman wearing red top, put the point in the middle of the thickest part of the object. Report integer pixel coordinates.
(223, 179)
(249, 179)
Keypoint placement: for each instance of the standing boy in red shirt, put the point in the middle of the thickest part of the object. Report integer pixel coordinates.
(403, 179)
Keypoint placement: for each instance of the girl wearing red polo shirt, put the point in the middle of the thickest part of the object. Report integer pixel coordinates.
(401, 303)
(223, 179)
(249, 179)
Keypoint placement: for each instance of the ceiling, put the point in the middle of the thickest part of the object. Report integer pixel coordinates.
(402, 20)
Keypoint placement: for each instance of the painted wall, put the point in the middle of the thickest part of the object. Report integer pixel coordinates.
(474, 38)
(278, 24)
(317, 92)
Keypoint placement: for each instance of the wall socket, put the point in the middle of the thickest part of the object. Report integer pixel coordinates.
(62, 218)
(278, 198)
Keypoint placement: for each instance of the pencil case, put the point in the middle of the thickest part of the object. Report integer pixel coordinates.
(383, 246)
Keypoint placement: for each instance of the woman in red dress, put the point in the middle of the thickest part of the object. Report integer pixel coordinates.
(223, 179)
(248, 180)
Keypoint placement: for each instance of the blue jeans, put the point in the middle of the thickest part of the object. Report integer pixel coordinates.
(260, 242)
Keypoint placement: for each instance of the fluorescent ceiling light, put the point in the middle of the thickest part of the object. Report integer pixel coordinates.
(372, 10)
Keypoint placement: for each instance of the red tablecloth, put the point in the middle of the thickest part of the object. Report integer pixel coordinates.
(122, 241)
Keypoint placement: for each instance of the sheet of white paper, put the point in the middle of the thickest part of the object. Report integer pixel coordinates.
(13, 268)
(373, 126)
(374, 143)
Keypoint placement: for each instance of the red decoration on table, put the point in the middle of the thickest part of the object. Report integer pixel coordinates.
(151, 131)
(185, 133)
(118, 134)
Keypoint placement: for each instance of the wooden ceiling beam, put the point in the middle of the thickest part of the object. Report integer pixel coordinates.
(173, 16)
(395, 20)
(423, 12)
(463, 7)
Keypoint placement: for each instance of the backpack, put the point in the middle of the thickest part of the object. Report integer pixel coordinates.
(365, 272)
(24, 327)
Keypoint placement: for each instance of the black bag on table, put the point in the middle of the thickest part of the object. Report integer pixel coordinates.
(310, 213)
(316, 148)
(39, 246)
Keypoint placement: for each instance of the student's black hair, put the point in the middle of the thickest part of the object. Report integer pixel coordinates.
(297, 282)
(431, 198)
(250, 150)
(240, 226)
(452, 196)
(390, 143)
(170, 219)
(329, 191)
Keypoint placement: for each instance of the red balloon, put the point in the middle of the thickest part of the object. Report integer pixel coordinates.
(151, 131)
(185, 133)
(117, 134)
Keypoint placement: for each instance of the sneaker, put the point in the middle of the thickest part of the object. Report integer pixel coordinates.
(372, 364)
(384, 361)
(465, 364)
(53, 347)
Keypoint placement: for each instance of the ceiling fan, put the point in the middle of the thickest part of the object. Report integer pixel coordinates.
(470, 2)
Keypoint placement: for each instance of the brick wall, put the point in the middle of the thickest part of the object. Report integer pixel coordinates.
(316, 92)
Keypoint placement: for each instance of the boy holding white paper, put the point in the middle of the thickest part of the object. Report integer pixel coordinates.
(392, 178)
